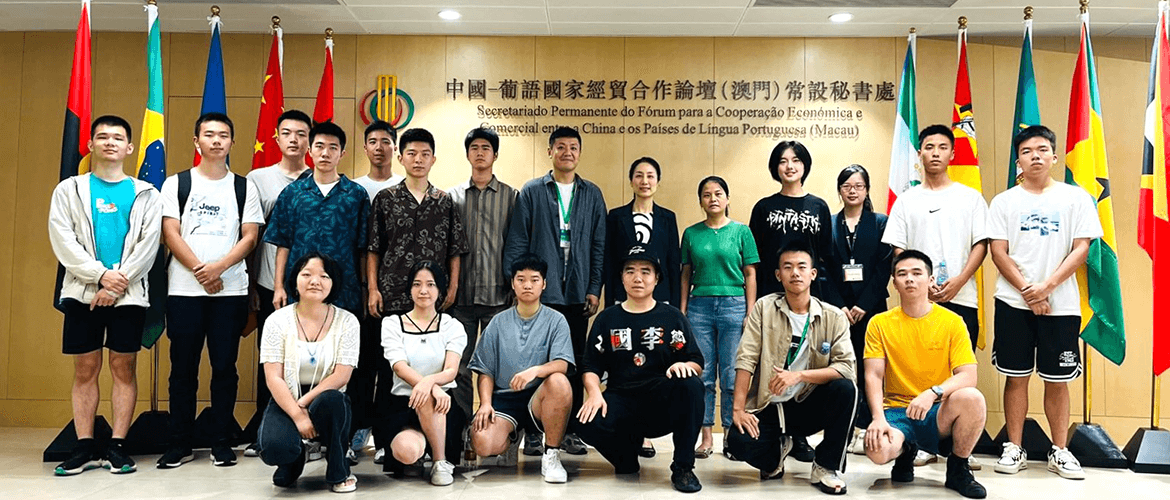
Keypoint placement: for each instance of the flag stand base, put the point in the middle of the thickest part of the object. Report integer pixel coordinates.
(1094, 448)
(1035, 442)
(987, 446)
(1148, 451)
(149, 434)
(62, 446)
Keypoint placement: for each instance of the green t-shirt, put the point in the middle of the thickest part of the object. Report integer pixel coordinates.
(717, 258)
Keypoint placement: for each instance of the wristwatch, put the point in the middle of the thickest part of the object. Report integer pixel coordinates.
(938, 392)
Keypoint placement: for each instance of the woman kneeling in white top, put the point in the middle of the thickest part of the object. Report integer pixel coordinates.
(423, 347)
(309, 349)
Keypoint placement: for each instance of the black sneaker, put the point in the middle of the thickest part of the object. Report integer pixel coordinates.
(960, 479)
(253, 450)
(82, 459)
(118, 461)
(222, 455)
(533, 444)
(903, 471)
(684, 480)
(573, 445)
(286, 475)
(801, 451)
(174, 457)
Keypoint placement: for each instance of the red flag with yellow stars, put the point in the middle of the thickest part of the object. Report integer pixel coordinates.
(265, 152)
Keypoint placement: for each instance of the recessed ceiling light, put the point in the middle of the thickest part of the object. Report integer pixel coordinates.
(841, 17)
(450, 15)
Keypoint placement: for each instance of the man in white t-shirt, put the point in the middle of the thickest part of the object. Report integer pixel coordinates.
(948, 222)
(381, 144)
(1040, 234)
(208, 234)
(292, 137)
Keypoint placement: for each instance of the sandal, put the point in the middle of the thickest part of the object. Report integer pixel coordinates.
(347, 486)
(647, 451)
(704, 452)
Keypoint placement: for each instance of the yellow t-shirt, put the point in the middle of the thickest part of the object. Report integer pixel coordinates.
(919, 352)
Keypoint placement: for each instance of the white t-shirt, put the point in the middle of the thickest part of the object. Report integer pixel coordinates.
(1040, 229)
(211, 227)
(374, 187)
(944, 225)
(424, 352)
(564, 206)
(327, 187)
(268, 182)
(800, 362)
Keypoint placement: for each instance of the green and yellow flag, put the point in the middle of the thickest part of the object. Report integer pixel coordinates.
(1027, 102)
(1102, 323)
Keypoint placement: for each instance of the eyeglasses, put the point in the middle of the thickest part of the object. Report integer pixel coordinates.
(853, 187)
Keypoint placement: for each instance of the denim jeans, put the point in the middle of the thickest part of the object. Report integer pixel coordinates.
(717, 323)
(280, 441)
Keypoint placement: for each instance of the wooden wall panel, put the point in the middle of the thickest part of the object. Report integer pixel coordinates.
(10, 75)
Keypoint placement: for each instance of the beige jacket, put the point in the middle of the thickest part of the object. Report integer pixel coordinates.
(767, 337)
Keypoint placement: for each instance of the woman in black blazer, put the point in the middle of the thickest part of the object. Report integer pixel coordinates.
(642, 222)
(858, 268)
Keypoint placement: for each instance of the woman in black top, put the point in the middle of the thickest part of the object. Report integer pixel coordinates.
(858, 267)
(642, 222)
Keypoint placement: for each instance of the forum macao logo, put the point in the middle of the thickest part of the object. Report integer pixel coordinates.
(377, 104)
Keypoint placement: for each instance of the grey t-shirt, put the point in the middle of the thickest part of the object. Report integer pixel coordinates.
(511, 344)
(269, 182)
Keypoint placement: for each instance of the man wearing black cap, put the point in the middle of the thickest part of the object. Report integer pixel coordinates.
(653, 389)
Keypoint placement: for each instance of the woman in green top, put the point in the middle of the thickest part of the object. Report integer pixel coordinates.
(718, 292)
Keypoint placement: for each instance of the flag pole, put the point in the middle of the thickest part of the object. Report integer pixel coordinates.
(1087, 380)
(1156, 403)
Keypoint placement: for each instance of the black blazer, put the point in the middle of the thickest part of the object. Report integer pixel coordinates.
(869, 294)
(664, 243)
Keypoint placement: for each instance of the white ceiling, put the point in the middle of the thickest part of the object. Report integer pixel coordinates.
(593, 17)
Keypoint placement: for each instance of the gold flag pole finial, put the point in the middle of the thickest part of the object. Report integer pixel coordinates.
(214, 10)
(328, 33)
(151, 2)
(1028, 13)
(962, 22)
(275, 22)
(1084, 6)
(913, 30)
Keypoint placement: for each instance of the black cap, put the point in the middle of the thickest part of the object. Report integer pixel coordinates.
(639, 252)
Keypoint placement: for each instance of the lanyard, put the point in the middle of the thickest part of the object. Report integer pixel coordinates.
(565, 212)
(793, 351)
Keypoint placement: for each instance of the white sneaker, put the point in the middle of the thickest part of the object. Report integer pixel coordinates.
(924, 457)
(551, 468)
(1013, 460)
(380, 456)
(857, 446)
(973, 464)
(826, 480)
(442, 473)
(1063, 463)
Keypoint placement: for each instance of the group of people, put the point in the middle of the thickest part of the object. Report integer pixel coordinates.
(378, 298)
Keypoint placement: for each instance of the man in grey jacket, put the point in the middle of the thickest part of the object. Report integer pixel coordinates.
(104, 228)
(561, 218)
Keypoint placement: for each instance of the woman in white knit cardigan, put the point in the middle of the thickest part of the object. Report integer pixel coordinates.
(309, 349)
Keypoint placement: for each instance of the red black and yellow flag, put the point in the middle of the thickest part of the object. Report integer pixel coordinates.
(75, 139)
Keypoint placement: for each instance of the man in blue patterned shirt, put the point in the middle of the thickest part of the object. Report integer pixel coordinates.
(326, 213)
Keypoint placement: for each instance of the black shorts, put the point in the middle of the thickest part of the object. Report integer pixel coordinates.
(1024, 341)
(118, 329)
(516, 407)
(970, 317)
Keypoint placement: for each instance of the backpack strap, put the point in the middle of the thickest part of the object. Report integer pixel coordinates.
(241, 195)
(184, 191)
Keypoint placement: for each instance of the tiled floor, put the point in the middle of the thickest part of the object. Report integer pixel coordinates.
(24, 476)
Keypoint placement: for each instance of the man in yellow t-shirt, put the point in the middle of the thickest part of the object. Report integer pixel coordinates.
(921, 355)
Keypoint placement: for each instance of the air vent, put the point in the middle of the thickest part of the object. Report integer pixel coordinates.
(855, 4)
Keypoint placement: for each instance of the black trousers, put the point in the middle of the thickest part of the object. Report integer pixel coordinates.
(474, 319)
(281, 445)
(381, 382)
(191, 321)
(857, 336)
(395, 415)
(675, 407)
(829, 408)
(578, 330)
(364, 381)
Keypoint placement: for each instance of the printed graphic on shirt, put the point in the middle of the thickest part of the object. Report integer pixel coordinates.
(790, 220)
(106, 208)
(651, 337)
(207, 219)
(677, 340)
(1067, 359)
(1040, 221)
(642, 228)
(639, 359)
(620, 340)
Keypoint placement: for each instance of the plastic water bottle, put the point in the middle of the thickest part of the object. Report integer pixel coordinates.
(943, 275)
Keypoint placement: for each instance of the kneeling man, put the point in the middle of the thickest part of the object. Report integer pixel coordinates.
(522, 360)
(794, 377)
(921, 355)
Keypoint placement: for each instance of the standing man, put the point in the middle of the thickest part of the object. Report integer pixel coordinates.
(1040, 234)
(561, 218)
(292, 136)
(211, 219)
(380, 146)
(795, 374)
(920, 377)
(104, 228)
(485, 204)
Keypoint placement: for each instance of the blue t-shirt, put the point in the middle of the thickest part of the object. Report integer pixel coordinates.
(110, 203)
(511, 344)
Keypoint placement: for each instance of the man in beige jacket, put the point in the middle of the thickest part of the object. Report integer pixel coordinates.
(795, 376)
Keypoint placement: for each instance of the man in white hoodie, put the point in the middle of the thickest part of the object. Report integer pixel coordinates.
(104, 227)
